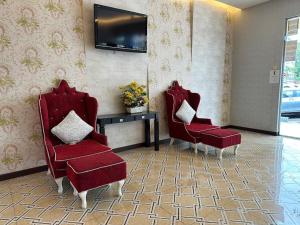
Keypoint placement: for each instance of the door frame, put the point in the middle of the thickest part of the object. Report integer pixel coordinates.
(281, 73)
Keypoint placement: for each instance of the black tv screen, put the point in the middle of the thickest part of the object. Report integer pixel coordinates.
(117, 29)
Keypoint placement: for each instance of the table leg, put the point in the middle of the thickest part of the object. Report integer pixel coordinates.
(147, 133)
(156, 134)
(102, 129)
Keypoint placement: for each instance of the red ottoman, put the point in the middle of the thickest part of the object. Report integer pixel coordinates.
(221, 139)
(89, 172)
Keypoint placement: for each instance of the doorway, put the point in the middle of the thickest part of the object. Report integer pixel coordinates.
(290, 93)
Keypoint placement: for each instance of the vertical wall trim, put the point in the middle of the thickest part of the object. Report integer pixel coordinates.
(192, 26)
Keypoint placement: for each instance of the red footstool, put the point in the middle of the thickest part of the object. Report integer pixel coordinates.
(89, 172)
(221, 139)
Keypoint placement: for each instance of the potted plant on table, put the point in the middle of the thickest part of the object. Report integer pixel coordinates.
(134, 97)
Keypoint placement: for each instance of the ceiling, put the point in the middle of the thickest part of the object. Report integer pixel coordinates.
(243, 4)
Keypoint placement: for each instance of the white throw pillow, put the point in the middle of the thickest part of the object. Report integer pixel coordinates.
(72, 129)
(186, 113)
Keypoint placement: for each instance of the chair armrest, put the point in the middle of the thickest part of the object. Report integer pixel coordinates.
(49, 147)
(99, 137)
(202, 120)
(178, 130)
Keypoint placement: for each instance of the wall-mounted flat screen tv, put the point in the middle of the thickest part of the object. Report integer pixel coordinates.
(117, 29)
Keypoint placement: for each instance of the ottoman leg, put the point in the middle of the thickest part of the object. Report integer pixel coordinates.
(75, 192)
(59, 184)
(220, 153)
(206, 149)
(236, 148)
(172, 141)
(196, 148)
(82, 196)
(119, 187)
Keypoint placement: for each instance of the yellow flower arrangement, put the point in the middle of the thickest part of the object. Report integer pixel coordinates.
(134, 95)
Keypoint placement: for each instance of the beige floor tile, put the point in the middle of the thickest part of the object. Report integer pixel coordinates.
(117, 219)
(123, 207)
(52, 215)
(228, 203)
(95, 218)
(210, 214)
(257, 217)
(144, 208)
(139, 220)
(233, 215)
(73, 216)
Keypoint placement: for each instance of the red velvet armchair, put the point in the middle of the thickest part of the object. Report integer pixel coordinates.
(175, 95)
(54, 106)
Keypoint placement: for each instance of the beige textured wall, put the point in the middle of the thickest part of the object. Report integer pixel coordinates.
(55, 44)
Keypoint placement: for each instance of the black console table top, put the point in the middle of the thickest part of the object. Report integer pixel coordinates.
(103, 120)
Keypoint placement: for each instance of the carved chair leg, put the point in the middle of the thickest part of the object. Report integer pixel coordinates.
(48, 171)
(220, 153)
(59, 184)
(196, 148)
(82, 196)
(75, 192)
(119, 187)
(235, 149)
(206, 150)
(172, 141)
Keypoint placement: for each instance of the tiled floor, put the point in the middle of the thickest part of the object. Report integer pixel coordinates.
(261, 185)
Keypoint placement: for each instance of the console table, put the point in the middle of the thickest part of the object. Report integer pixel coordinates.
(103, 120)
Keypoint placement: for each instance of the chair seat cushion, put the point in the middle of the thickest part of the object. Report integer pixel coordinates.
(195, 129)
(221, 138)
(93, 171)
(63, 153)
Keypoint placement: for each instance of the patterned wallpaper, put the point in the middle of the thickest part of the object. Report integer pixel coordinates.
(43, 41)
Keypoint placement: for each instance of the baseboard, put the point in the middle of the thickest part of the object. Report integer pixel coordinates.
(140, 145)
(45, 168)
(23, 172)
(253, 130)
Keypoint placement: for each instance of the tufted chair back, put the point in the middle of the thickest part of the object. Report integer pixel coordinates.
(179, 94)
(54, 106)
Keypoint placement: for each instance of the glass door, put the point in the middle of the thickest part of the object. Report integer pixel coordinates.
(290, 95)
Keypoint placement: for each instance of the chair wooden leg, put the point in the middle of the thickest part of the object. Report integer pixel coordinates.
(75, 192)
(235, 149)
(48, 171)
(59, 184)
(196, 148)
(82, 196)
(220, 153)
(172, 141)
(206, 150)
(119, 187)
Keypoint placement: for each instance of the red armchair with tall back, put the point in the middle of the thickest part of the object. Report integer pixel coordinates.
(54, 106)
(175, 95)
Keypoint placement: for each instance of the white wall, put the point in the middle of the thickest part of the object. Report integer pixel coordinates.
(258, 47)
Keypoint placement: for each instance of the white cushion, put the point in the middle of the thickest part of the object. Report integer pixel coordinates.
(186, 113)
(72, 129)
